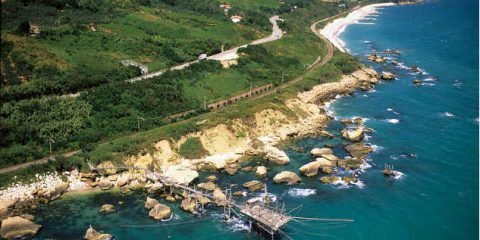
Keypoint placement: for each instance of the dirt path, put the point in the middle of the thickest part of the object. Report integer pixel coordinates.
(35, 162)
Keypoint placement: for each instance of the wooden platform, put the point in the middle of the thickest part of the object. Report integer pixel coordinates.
(271, 219)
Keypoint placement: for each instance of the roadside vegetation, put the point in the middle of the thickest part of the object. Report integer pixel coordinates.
(103, 120)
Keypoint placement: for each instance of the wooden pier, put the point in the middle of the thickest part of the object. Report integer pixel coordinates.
(268, 220)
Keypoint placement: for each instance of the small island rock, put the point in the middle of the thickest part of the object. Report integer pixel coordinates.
(287, 177)
(160, 211)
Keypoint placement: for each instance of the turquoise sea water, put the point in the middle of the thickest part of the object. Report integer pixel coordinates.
(434, 143)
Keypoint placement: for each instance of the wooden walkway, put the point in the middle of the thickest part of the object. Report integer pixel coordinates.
(269, 219)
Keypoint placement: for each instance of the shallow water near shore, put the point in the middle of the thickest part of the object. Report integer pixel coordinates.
(428, 132)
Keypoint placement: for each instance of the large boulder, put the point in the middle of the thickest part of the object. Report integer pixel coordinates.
(107, 208)
(188, 205)
(287, 177)
(318, 152)
(209, 186)
(387, 76)
(105, 184)
(123, 179)
(254, 185)
(18, 227)
(150, 203)
(358, 150)
(180, 174)
(92, 234)
(276, 155)
(261, 171)
(310, 169)
(220, 198)
(6, 208)
(353, 135)
(212, 178)
(160, 211)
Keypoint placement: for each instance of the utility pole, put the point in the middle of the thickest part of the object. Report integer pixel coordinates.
(138, 122)
(204, 102)
(50, 141)
(282, 77)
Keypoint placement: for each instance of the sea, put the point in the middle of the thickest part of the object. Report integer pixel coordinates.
(428, 133)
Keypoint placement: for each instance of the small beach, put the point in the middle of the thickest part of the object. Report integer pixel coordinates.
(333, 29)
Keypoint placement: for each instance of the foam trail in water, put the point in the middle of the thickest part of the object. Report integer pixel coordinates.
(447, 114)
(301, 192)
(392, 120)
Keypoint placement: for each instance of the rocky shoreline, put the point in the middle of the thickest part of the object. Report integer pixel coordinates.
(261, 136)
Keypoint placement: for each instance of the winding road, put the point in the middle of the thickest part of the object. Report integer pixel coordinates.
(230, 54)
(276, 34)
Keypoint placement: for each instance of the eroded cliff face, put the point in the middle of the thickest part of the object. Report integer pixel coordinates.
(229, 141)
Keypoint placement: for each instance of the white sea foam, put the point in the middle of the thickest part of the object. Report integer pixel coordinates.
(376, 148)
(398, 175)
(430, 79)
(301, 192)
(401, 65)
(238, 224)
(392, 120)
(447, 114)
(393, 111)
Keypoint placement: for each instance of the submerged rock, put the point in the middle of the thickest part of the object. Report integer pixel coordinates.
(261, 171)
(18, 227)
(329, 179)
(212, 178)
(417, 82)
(92, 234)
(254, 185)
(348, 179)
(107, 208)
(150, 203)
(287, 177)
(160, 211)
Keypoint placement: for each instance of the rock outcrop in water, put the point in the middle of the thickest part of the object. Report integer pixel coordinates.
(354, 135)
(287, 177)
(358, 150)
(318, 152)
(92, 234)
(160, 212)
(254, 185)
(107, 208)
(150, 203)
(18, 227)
(388, 76)
(261, 171)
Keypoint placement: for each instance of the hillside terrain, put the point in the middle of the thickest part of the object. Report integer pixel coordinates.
(79, 49)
